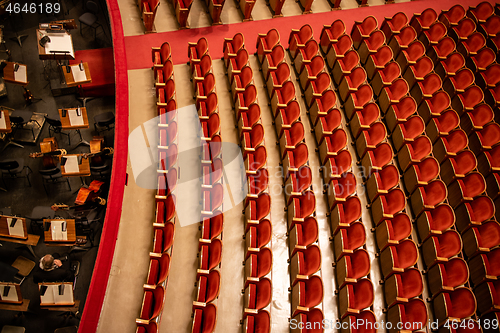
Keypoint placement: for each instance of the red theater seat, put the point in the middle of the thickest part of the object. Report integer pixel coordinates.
(481, 12)
(330, 34)
(266, 43)
(448, 146)
(205, 319)
(294, 159)
(442, 125)
(278, 77)
(420, 174)
(149, 328)
(231, 46)
(291, 138)
(211, 228)
(458, 304)
(451, 17)
(201, 69)
(338, 50)
(441, 50)
(160, 55)
(363, 119)
(257, 184)
(301, 207)
(485, 267)
(165, 208)
(210, 256)
(491, 27)
(481, 239)
(388, 205)
(493, 97)
(489, 78)
(297, 183)
(332, 144)
(371, 45)
(305, 55)
(418, 72)
(435, 221)
(414, 152)
(466, 188)
(343, 66)
(249, 118)
(252, 139)
(286, 117)
(434, 106)
(476, 119)
(399, 113)
(152, 304)
(327, 125)
(303, 264)
(311, 321)
(385, 77)
(489, 161)
(358, 100)
(428, 196)
(449, 66)
(393, 25)
(254, 161)
(447, 275)
(462, 30)
(163, 73)
(411, 315)
(163, 237)
(393, 94)
(474, 213)
(258, 265)
(377, 61)
(159, 267)
(487, 295)
(316, 88)
(197, 50)
(376, 159)
(322, 106)
(298, 39)
(306, 295)
(345, 213)
(355, 297)
(485, 139)
(382, 181)
(398, 258)
(440, 248)
(362, 322)
(350, 83)
(401, 287)
(472, 45)
(422, 21)
(257, 210)
(426, 88)
(241, 80)
(337, 165)
(369, 139)
(480, 61)
(393, 231)
(402, 40)
(352, 267)
(302, 235)
(407, 132)
(436, 32)
(271, 60)
(341, 188)
(208, 289)
(257, 237)
(311, 70)
(258, 323)
(257, 296)
(362, 29)
(237, 63)
(456, 84)
(282, 97)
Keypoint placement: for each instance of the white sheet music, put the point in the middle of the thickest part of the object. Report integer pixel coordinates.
(12, 296)
(52, 296)
(3, 124)
(17, 229)
(74, 119)
(78, 75)
(60, 42)
(20, 75)
(71, 165)
(56, 230)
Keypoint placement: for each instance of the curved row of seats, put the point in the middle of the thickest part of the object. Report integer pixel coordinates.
(212, 191)
(354, 287)
(303, 231)
(397, 251)
(258, 228)
(164, 225)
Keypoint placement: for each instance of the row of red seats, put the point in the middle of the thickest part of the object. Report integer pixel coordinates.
(210, 242)
(164, 225)
(148, 10)
(305, 255)
(352, 262)
(398, 252)
(258, 231)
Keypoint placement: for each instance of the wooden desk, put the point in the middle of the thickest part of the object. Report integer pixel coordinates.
(71, 81)
(5, 117)
(64, 308)
(84, 168)
(29, 243)
(66, 123)
(60, 42)
(4, 227)
(71, 230)
(16, 307)
(20, 77)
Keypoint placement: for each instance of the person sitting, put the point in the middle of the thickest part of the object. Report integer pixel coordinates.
(51, 269)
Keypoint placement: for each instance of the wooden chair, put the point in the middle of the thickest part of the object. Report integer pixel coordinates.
(306, 295)
(257, 210)
(208, 289)
(455, 305)
(409, 56)
(358, 100)
(303, 264)
(286, 117)
(330, 34)
(436, 32)
(412, 315)
(231, 46)
(400, 112)
(392, 25)
(255, 323)
(435, 221)
(204, 319)
(345, 213)
(352, 267)
(291, 138)
(272, 59)
(257, 237)
(382, 181)
(303, 235)
(447, 275)
(371, 45)
(481, 239)
(398, 258)
(401, 287)
(441, 248)
(355, 297)
(393, 231)
(332, 145)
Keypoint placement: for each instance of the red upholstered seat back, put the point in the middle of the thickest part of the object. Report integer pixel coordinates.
(474, 42)
(313, 291)
(464, 162)
(474, 185)
(413, 127)
(343, 45)
(376, 40)
(405, 108)
(383, 56)
(427, 17)
(456, 272)
(455, 14)
(395, 201)
(490, 135)
(270, 39)
(363, 95)
(435, 192)
(398, 21)
(350, 60)
(367, 26)
(462, 303)
(442, 217)
(484, 57)
(362, 294)
(447, 121)
(390, 72)
(488, 234)
(420, 147)
(481, 115)
(409, 283)
(427, 169)
(382, 155)
(307, 231)
(414, 51)
(406, 36)
(453, 62)
(369, 114)
(406, 254)
(448, 244)
(388, 177)
(264, 233)
(399, 227)
(445, 47)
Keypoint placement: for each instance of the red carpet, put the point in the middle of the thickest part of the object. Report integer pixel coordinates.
(102, 71)
(97, 289)
(138, 48)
